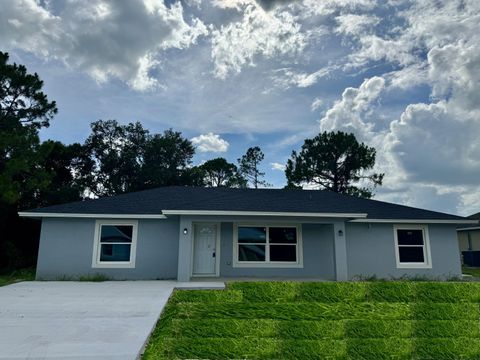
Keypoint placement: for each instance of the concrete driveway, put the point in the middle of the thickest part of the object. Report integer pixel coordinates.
(81, 320)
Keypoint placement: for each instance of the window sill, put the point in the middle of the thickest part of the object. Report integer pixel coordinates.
(414, 266)
(114, 265)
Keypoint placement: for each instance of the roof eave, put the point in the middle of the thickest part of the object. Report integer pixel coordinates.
(264, 213)
(469, 228)
(416, 221)
(31, 214)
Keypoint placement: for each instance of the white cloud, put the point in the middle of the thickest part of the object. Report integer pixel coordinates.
(277, 166)
(328, 7)
(286, 77)
(316, 104)
(355, 25)
(103, 39)
(347, 114)
(431, 154)
(210, 143)
(427, 144)
(259, 32)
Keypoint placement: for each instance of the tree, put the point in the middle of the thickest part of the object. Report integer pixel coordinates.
(220, 173)
(68, 166)
(335, 161)
(117, 152)
(24, 108)
(166, 161)
(248, 167)
(21, 100)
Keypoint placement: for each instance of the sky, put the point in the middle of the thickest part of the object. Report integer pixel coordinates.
(403, 76)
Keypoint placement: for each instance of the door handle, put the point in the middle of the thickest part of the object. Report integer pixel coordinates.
(213, 254)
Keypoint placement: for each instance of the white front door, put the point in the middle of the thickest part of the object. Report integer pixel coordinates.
(204, 249)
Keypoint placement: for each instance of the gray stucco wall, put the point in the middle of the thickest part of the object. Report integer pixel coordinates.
(66, 248)
(371, 251)
(318, 259)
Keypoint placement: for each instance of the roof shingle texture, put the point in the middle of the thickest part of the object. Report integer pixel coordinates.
(227, 199)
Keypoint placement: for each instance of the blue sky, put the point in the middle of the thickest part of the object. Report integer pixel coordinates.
(230, 74)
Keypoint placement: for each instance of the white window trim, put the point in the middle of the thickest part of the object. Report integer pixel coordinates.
(265, 264)
(427, 264)
(96, 263)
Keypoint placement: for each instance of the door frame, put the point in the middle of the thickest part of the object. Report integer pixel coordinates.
(217, 249)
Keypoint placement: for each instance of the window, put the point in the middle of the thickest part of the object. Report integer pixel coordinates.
(115, 244)
(263, 246)
(412, 246)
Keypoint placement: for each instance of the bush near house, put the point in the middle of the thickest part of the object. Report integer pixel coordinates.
(307, 320)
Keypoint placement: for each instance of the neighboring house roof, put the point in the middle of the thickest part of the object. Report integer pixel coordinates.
(473, 226)
(475, 216)
(228, 201)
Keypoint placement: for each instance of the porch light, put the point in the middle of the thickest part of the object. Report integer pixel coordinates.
(185, 231)
(340, 232)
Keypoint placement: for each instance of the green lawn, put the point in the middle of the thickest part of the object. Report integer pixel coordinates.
(330, 320)
(16, 276)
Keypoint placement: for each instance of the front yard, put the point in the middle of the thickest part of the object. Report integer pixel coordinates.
(294, 320)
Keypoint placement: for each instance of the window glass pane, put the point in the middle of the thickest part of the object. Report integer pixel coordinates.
(411, 254)
(284, 235)
(410, 237)
(252, 234)
(115, 252)
(116, 233)
(283, 253)
(251, 252)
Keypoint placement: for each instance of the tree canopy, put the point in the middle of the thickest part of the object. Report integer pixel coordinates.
(219, 172)
(334, 161)
(22, 101)
(167, 161)
(249, 167)
(24, 108)
(128, 158)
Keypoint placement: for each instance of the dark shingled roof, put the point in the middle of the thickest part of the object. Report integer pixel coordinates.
(473, 226)
(226, 199)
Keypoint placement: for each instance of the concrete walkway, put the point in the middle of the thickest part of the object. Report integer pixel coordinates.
(82, 320)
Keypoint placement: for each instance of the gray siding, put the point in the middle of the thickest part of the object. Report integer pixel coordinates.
(371, 251)
(66, 248)
(318, 259)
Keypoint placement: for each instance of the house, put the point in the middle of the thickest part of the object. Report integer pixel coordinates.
(469, 242)
(188, 232)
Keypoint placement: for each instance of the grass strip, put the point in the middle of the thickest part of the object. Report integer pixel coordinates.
(295, 311)
(257, 328)
(446, 329)
(444, 292)
(365, 329)
(377, 291)
(250, 349)
(446, 349)
(334, 311)
(207, 296)
(375, 349)
(445, 311)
